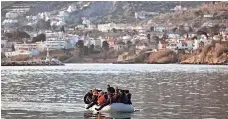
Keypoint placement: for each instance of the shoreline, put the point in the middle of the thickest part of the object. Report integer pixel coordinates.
(114, 63)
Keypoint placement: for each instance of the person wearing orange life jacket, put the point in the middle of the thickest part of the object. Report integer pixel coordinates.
(109, 101)
(101, 98)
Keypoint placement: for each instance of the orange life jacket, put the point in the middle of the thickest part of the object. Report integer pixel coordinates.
(101, 99)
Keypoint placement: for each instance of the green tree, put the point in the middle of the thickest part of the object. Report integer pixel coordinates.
(174, 30)
(80, 46)
(214, 30)
(148, 36)
(114, 30)
(129, 44)
(105, 47)
(198, 13)
(91, 48)
(181, 30)
(13, 48)
(155, 38)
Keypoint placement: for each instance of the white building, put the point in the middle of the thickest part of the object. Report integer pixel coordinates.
(85, 21)
(104, 27)
(171, 45)
(159, 28)
(11, 15)
(71, 8)
(7, 23)
(91, 27)
(173, 36)
(80, 27)
(197, 42)
(10, 54)
(140, 15)
(18, 10)
(55, 44)
(96, 42)
(15, 53)
(25, 46)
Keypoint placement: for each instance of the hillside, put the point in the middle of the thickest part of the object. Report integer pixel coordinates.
(103, 11)
(196, 16)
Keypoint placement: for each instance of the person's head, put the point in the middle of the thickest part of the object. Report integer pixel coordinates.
(108, 86)
(90, 91)
(94, 91)
(127, 91)
(121, 91)
(101, 93)
(117, 89)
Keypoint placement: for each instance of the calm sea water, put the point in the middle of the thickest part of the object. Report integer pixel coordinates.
(169, 91)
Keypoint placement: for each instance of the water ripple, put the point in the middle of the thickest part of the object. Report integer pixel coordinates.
(159, 91)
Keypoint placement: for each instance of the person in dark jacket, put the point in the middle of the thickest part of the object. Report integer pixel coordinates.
(110, 89)
(88, 97)
(94, 99)
(128, 94)
(122, 97)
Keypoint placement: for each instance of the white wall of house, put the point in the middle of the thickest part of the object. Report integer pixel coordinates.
(15, 53)
(96, 42)
(55, 44)
(12, 15)
(173, 35)
(172, 46)
(119, 47)
(197, 42)
(10, 54)
(140, 47)
(159, 28)
(25, 46)
(91, 27)
(188, 45)
(103, 27)
(41, 46)
(182, 46)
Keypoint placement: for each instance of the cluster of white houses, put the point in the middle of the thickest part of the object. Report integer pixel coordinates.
(59, 40)
(54, 41)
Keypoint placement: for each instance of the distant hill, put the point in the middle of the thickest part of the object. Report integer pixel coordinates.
(209, 13)
(123, 11)
(106, 11)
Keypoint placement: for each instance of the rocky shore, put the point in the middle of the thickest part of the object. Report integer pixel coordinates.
(210, 54)
(213, 54)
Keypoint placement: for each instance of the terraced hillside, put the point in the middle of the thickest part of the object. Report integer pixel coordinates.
(101, 11)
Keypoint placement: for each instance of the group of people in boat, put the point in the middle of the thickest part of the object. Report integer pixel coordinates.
(99, 97)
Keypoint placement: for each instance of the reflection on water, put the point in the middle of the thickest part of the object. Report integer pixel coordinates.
(159, 91)
(89, 115)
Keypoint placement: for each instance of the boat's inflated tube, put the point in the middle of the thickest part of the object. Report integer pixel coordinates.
(114, 107)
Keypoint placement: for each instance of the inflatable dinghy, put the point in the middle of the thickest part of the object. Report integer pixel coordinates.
(114, 107)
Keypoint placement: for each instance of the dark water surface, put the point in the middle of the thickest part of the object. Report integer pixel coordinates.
(169, 91)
